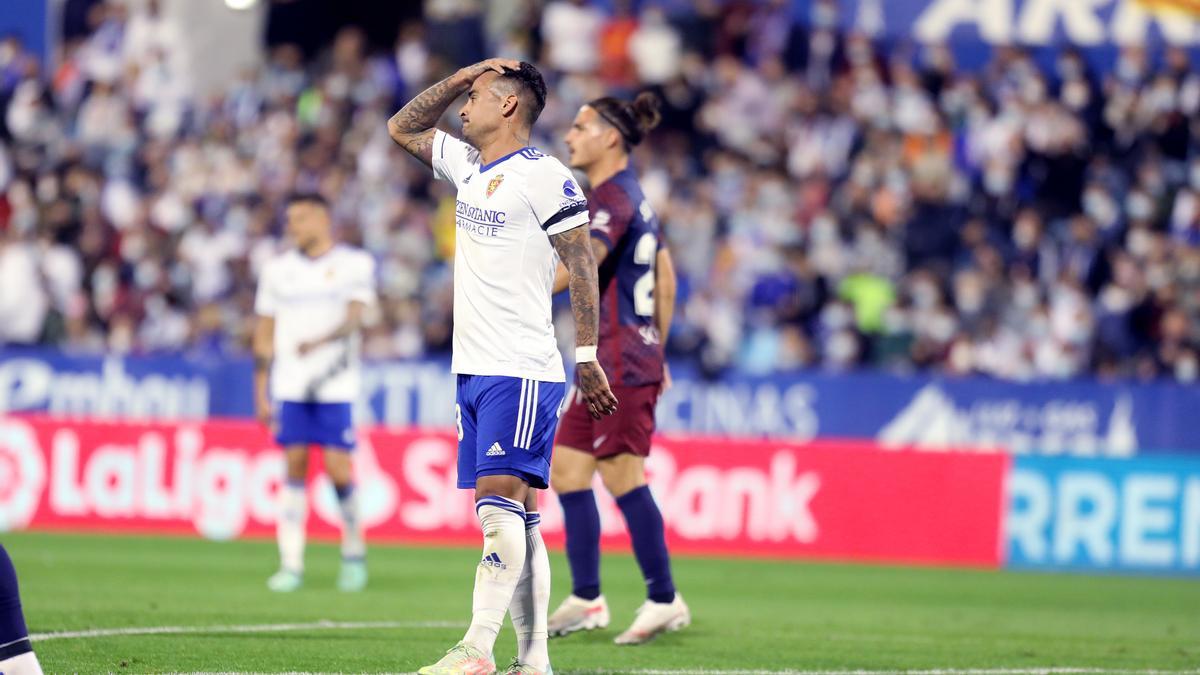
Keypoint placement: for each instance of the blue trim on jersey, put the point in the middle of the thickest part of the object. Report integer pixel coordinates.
(524, 152)
(564, 213)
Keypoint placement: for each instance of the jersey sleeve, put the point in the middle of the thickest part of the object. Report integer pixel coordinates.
(362, 280)
(611, 214)
(453, 160)
(556, 199)
(265, 301)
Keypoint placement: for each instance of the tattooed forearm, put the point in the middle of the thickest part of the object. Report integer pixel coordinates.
(575, 251)
(412, 127)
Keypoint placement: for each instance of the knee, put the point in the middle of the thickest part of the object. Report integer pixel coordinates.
(339, 468)
(509, 487)
(564, 479)
(622, 477)
(297, 465)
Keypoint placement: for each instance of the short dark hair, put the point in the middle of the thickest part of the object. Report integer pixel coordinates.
(307, 198)
(531, 89)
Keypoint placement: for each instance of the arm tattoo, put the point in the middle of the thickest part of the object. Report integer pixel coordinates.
(575, 250)
(412, 127)
(262, 363)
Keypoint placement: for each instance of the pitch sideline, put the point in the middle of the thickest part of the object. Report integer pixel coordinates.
(240, 628)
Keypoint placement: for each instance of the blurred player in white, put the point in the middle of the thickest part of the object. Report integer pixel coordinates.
(310, 307)
(516, 209)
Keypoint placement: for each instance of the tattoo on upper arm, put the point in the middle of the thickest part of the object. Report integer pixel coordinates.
(575, 250)
(413, 125)
(419, 146)
(262, 362)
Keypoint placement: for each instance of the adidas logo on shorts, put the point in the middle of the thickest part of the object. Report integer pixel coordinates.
(495, 450)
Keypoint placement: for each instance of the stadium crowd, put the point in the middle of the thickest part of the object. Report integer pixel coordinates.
(831, 201)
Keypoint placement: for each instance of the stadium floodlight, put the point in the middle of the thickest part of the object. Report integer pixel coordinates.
(241, 4)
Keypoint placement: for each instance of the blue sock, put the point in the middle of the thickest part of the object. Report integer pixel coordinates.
(582, 520)
(645, 524)
(13, 634)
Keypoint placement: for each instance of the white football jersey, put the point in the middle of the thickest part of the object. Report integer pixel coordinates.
(503, 260)
(309, 298)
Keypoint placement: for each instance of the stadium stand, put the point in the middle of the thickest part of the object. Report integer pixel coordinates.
(831, 203)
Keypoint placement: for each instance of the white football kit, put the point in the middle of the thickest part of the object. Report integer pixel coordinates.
(308, 297)
(503, 260)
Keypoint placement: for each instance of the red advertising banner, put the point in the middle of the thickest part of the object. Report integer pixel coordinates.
(833, 500)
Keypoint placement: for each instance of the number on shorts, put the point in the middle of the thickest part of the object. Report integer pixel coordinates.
(458, 420)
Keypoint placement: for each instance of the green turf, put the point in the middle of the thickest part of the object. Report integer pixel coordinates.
(748, 614)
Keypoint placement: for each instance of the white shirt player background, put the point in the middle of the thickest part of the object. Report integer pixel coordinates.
(309, 298)
(503, 260)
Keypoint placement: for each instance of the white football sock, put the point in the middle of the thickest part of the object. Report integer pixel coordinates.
(354, 546)
(21, 664)
(503, 523)
(531, 601)
(289, 528)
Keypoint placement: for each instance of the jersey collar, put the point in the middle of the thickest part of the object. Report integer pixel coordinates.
(491, 165)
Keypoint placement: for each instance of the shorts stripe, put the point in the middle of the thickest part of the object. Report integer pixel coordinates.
(531, 417)
(520, 415)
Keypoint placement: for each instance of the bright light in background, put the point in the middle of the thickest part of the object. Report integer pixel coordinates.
(240, 4)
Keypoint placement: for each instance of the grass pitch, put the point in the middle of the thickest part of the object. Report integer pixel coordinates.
(215, 614)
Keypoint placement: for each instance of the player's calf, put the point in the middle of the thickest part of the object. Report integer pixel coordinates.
(16, 651)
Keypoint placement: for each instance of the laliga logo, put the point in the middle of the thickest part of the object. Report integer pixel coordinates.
(22, 474)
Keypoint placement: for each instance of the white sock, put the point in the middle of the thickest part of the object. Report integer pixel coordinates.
(289, 528)
(531, 601)
(354, 546)
(21, 664)
(503, 523)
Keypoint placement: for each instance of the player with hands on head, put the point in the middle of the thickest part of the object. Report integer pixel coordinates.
(516, 209)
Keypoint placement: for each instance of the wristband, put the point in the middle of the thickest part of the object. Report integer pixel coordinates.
(585, 354)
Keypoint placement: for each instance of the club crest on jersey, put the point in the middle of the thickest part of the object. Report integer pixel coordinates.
(494, 183)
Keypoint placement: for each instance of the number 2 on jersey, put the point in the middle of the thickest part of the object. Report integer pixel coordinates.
(644, 253)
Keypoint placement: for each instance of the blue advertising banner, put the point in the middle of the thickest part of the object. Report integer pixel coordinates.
(1081, 419)
(29, 21)
(971, 27)
(1104, 515)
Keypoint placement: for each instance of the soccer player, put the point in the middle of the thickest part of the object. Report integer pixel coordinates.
(16, 652)
(310, 306)
(516, 208)
(637, 283)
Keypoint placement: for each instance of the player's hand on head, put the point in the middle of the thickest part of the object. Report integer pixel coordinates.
(472, 72)
(593, 383)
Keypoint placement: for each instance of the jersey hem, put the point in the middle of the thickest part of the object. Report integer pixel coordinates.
(519, 374)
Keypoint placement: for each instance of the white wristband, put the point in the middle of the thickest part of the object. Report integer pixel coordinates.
(585, 354)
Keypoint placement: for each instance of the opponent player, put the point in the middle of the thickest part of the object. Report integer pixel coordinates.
(516, 207)
(637, 283)
(310, 306)
(16, 652)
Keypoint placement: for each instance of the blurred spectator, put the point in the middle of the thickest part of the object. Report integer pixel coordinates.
(831, 201)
